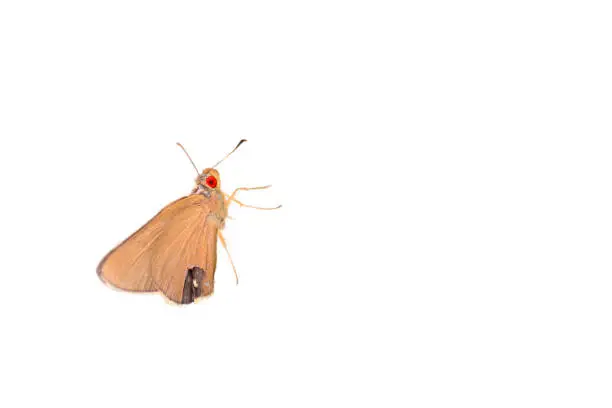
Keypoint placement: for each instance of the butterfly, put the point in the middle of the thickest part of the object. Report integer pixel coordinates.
(175, 253)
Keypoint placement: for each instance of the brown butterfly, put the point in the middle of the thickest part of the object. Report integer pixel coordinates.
(175, 253)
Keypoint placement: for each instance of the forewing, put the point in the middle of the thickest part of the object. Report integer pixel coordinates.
(128, 266)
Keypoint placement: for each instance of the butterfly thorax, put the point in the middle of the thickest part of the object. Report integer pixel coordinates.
(215, 203)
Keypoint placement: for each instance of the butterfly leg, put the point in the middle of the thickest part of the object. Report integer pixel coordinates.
(241, 204)
(232, 198)
(224, 244)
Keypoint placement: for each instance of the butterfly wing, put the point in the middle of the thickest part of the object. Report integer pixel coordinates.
(159, 255)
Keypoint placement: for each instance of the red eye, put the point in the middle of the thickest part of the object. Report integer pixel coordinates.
(211, 182)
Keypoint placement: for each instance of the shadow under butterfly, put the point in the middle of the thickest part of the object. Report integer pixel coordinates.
(175, 253)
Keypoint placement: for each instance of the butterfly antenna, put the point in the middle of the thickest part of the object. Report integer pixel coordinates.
(189, 157)
(228, 155)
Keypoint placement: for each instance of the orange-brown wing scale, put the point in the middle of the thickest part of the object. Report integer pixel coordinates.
(159, 255)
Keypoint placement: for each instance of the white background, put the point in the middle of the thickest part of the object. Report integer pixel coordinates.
(445, 174)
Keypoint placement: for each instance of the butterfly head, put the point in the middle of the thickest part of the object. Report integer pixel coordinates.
(209, 179)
